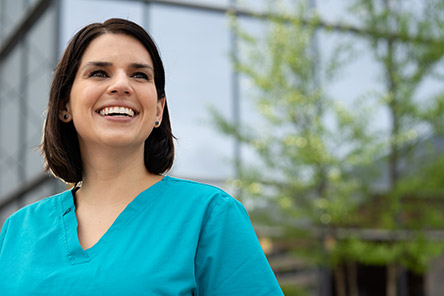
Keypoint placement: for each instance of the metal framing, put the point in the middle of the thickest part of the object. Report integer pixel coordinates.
(339, 27)
(25, 25)
(17, 40)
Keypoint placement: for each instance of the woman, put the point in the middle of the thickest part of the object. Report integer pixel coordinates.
(125, 228)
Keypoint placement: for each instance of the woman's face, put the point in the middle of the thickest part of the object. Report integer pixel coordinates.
(113, 101)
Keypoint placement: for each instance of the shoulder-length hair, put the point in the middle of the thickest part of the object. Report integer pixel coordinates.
(60, 145)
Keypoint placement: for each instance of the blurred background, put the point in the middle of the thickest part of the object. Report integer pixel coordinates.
(325, 118)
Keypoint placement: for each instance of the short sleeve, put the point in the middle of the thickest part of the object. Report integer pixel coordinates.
(229, 258)
(3, 234)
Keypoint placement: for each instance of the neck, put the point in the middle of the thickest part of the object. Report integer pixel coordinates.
(113, 176)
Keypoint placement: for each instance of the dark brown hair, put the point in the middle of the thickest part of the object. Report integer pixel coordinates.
(60, 145)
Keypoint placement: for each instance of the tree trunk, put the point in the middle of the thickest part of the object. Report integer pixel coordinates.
(340, 281)
(352, 275)
(391, 280)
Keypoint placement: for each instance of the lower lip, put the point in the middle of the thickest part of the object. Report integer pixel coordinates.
(117, 118)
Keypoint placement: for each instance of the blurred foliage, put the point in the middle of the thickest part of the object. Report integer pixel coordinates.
(294, 291)
(319, 159)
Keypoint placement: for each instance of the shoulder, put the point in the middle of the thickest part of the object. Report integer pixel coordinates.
(186, 185)
(212, 205)
(42, 209)
(199, 192)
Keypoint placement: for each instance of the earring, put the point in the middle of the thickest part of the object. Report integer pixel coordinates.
(66, 116)
(157, 123)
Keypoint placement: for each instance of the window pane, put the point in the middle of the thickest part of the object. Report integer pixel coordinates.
(78, 13)
(195, 53)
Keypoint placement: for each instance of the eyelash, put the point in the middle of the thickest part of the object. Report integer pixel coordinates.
(103, 74)
(141, 75)
(97, 73)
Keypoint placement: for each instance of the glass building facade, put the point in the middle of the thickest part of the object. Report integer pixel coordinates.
(28, 43)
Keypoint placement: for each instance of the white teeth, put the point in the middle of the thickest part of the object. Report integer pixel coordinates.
(117, 111)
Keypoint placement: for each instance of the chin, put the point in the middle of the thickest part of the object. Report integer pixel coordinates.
(122, 140)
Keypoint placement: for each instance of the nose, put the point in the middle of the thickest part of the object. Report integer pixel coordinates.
(120, 85)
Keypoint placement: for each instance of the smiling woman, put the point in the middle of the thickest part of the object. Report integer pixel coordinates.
(115, 74)
(126, 228)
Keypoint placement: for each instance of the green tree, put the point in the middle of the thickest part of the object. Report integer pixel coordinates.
(317, 156)
(405, 38)
(308, 142)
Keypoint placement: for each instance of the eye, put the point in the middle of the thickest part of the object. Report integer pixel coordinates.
(141, 75)
(98, 73)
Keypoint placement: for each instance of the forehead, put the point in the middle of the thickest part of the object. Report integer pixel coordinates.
(116, 47)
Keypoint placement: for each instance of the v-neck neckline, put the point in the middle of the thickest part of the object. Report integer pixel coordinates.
(75, 252)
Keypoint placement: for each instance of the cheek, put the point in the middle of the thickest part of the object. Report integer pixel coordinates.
(82, 98)
(148, 98)
(74, 98)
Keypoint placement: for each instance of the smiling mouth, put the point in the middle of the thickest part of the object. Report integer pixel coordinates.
(117, 112)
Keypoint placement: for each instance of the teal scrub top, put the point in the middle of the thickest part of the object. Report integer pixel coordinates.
(177, 237)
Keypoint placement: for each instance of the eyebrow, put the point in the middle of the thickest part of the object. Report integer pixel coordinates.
(108, 64)
(141, 66)
(97, 64)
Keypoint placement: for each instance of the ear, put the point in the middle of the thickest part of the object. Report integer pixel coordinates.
(160, 107)
(65, 114)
